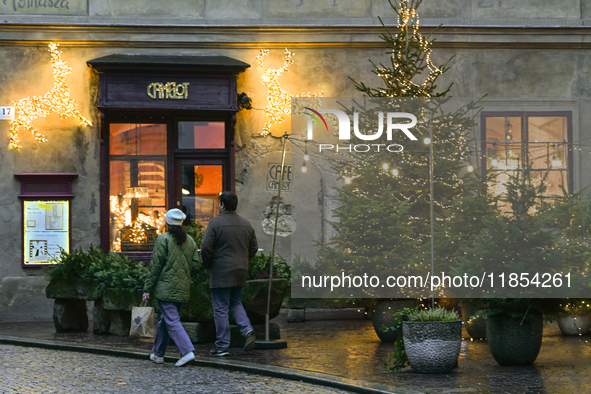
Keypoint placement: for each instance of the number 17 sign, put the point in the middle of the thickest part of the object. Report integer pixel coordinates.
(6, 113)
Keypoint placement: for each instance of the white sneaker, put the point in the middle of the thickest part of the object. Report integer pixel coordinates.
(185, 359)
(156, 359)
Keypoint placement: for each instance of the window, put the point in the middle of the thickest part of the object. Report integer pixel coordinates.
(137, 161)
(540, 139)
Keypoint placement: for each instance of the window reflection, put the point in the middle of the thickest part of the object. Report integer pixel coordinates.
(201, 135)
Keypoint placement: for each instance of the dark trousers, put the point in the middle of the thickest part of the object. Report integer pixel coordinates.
(227, 300)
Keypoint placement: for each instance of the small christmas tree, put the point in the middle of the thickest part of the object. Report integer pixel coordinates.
(513, 251)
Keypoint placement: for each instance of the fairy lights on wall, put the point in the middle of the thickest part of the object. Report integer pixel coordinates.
(56, 100)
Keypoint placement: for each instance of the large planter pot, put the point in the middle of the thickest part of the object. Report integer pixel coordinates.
(382, 316)
(71, 289)
(199, 308)
(432, 347)
(254, 298)
(514, 341)
(476, 328)
(574, 324)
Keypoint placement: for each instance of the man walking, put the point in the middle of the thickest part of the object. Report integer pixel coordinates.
(228, 244)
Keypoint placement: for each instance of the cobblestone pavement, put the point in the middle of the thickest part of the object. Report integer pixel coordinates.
(350, 349)
(33, 370)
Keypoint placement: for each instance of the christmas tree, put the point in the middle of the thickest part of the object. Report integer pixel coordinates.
(384, 214)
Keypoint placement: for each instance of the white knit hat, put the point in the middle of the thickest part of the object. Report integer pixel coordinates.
(175, 217)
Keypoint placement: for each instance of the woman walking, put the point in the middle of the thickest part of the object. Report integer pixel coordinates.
(173, 257)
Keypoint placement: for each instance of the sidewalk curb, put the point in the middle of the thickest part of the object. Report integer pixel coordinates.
(352, 385)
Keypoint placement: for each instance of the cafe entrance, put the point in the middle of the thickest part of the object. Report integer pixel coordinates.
(167, 129)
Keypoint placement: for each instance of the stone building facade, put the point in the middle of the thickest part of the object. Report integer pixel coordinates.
(160, 82)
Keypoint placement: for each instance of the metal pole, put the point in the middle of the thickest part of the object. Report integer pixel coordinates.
(431, 206)
(267, 334)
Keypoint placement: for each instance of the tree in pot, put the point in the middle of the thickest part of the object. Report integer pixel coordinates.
(507, 245)
(384, 212)
(430, 342)
(514, 327)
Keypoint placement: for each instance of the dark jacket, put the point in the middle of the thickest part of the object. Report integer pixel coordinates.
(170, 269)
(228, 244)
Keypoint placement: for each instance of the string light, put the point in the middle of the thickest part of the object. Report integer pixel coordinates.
(304, 169)
(279, 101)
(56, 100)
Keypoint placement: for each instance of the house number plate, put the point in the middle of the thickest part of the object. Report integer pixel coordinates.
(6, 113)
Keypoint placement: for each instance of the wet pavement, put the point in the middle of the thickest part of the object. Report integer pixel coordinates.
(33, 370)
(350, 349)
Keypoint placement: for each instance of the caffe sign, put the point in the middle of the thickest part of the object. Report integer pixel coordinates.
(168, 90)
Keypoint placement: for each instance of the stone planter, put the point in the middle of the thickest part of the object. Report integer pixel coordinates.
(512, 342)
(71, 289)
(476, 328)
(574, 324)
(199, 308)
(432, 347)
(382, 316)
(254, 298)
(69, 309)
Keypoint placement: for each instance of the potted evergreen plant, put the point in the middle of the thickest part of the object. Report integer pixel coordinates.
(430, 342)
(509, 244)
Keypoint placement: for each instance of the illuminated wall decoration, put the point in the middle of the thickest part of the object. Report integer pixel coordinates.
(56, 100)
(279, 101)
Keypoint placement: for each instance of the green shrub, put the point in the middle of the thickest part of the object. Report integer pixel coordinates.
(431, 315)
(109, 270)
(258, 267)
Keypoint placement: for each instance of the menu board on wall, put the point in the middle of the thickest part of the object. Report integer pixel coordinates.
(46, 229)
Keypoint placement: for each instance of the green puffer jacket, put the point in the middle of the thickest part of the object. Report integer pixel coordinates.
(170, 269)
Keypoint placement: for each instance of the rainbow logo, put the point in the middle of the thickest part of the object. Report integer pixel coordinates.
(317, 117)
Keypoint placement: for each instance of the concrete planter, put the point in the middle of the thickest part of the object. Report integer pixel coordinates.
(69, 309)
(124, 299)
(382, 316)
(513, 342)
(254, 298)
(71, 289)
(432, 347)
(574, 324)
(476, 328)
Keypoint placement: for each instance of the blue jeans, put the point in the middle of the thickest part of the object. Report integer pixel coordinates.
(170, 327)
(224, 300)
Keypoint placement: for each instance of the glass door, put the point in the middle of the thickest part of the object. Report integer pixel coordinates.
(201, 184)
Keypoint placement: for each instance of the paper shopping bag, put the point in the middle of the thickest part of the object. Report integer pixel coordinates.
(142, 321)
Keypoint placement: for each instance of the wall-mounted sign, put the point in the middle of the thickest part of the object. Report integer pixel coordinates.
(274, 175)
(6, 113)
(44, 7)
(46, 216)
(46, 230)
(168, 90)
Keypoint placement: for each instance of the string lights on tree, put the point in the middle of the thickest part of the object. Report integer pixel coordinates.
(56, 100)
